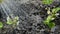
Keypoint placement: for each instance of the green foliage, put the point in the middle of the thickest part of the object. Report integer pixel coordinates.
(51, 25)
(1, 25)
(9, 20)
(12, 21)
(55, 10)
(48, 20)
(47, 1)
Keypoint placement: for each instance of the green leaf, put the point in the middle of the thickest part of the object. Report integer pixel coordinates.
(48, 20)
(55, 10)
(51, 25)
(9, 20)
(1, 24)
(47, 1)
(12, 21)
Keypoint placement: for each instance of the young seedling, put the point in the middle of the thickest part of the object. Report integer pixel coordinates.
(12, 21)
(52, 16)
(1, 25)
(47, 1)
(9, 20)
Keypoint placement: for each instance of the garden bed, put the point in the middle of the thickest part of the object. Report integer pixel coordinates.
(32, 14)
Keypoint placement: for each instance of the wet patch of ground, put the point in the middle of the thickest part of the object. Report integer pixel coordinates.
(32, 21)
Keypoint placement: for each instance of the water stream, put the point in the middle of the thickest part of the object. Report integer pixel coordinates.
(11, 6)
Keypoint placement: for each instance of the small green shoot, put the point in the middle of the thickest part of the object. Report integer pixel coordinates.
(47, 1)
(48, 20)
(55, 10)
(12, 21)
(9, 20)
(1, 25)
(51, 25)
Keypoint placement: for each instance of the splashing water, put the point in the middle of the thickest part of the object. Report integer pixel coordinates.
(11, 6)
(6, 8)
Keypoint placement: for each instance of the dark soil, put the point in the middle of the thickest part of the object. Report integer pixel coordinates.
(32, 21)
